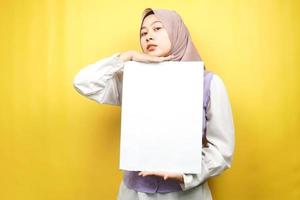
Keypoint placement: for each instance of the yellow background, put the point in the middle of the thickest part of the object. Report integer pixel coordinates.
(56, 144)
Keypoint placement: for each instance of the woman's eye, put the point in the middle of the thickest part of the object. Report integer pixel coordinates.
(157, 28)
(142, 34)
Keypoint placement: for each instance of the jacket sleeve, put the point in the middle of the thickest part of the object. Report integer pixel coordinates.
(102, 80)
(217, 156)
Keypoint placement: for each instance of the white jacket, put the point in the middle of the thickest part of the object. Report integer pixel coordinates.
(102, 82)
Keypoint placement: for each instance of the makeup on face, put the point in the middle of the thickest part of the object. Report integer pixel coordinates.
(154, 37)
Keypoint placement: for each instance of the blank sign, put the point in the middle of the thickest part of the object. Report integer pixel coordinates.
(161, 120)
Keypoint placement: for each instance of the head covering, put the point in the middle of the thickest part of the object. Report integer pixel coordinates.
(182, 46)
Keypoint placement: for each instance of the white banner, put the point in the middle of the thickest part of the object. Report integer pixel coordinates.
(161, 120)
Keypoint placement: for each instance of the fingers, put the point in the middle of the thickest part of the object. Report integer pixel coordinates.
(150, 58)
(170, 57)
(161, 59)
(142, 57)
(161, 174)
(147, 173)
(165, 177)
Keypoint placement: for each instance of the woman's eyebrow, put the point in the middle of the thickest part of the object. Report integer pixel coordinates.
(150, 24)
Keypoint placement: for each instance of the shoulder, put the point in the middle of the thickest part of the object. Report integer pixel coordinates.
(217, 85)
(216, 77)
(219, 102)
(216, 81)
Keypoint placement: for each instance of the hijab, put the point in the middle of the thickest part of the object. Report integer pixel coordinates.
(182, 46)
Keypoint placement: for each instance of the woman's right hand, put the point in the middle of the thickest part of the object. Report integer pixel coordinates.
(142, 57)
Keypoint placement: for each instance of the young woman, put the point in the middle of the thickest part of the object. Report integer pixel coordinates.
(164, 37)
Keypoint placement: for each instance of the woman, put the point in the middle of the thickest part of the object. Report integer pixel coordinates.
(164, 37)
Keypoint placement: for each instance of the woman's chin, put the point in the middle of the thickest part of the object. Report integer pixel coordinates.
(155, 53)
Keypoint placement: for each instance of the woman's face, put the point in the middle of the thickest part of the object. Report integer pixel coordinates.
(154, 37)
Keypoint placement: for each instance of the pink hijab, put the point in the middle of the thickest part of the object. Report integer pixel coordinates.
(182, 46)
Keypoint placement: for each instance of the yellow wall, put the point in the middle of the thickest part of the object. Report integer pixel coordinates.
(56, 144)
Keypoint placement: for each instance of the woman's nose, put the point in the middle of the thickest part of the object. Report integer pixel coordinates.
(149, 37)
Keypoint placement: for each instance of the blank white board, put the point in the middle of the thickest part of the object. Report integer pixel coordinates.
(161, 117)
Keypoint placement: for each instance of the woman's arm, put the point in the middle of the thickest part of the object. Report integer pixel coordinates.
(220, 133)
(101, 81)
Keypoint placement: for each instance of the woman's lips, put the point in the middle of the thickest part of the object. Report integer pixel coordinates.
(152, 48)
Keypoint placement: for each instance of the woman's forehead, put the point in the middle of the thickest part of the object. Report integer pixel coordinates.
(150, 20)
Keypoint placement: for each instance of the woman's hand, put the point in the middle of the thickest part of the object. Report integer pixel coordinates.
(165, 175)
(142, 57)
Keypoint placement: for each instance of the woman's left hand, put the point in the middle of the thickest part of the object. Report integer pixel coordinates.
(165, 175)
